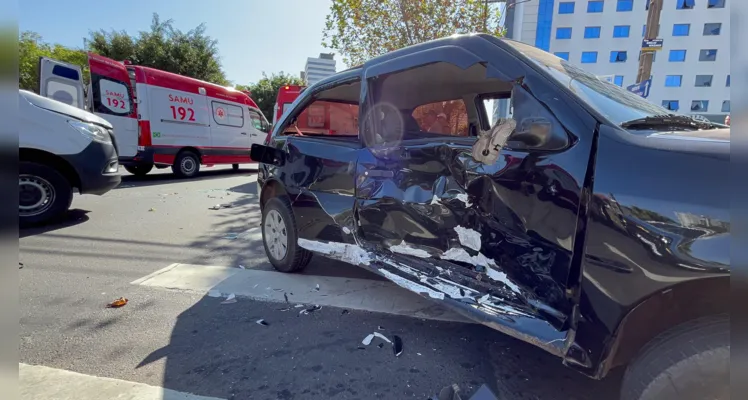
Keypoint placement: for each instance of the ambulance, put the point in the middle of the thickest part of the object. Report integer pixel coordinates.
(160, 119)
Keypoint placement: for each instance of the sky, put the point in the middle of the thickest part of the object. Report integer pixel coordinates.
(253, 35)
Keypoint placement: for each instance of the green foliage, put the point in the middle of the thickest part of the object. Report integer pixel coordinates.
(363, 29)
(265, 91)
(31, 47)
(191, 53)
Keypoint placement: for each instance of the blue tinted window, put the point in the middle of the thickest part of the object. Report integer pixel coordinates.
(621, 31)
(592, 32)
(545, 21)
(671, 105)
(594, 6)
(715, 4)
(677, 55)
(563, 33)
(618, 80)
(727, 82)
(562, 54)
(673, 80)
(65, 72)
(625, 5)
(681, 29)
(685, 4)
(566, 8)
(618, 56)
(712, 29)
(589, 57)
(700, 105)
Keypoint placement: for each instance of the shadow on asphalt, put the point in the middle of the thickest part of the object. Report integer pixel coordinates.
(163, 178)
(220, 350)
(71, 218)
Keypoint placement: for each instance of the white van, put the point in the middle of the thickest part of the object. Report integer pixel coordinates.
(60, 147)
(161, 119)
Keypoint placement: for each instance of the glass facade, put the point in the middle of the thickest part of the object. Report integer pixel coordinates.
(545, 21)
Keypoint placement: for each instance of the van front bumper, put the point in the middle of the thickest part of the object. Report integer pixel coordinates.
(97, 167)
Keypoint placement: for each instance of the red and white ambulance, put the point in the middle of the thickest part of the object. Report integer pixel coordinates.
(161, 119)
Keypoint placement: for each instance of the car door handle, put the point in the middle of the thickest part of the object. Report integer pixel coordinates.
(379, 173)
(252, 134)
(244, 133)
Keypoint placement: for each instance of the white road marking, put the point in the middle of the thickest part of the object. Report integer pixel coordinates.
(350, 293)
(37, 382)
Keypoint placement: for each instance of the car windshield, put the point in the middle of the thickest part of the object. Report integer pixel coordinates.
(612, 101)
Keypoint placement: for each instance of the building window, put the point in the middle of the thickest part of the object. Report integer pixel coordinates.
(589, 57)
(671, 105)
(715, 4)
(708, 55)
(566, 8)
(618, 56)
(594, 6)
(592, 32)
(726, 106)
(625, 5)
(681, 29)
(621, 31)
(562, 54)
(712, 29)
(727, 82)
(703, 81)
(563, 33)
(700, 105)
(545, 21)
(685, 4)
(618, 80)
(673, 80)
(677, 56)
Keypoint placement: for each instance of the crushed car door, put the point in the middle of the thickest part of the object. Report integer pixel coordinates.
(485, 222)
(112, 99)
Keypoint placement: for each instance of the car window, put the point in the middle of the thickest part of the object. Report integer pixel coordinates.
(257, 120)
(443, 117)
(326, 118)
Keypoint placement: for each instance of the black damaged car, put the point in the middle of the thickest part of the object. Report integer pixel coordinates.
(524, 193)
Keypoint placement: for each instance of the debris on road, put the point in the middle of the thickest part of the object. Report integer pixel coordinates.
(367, 340)
(284, 309)
(20, 265)
(361, 348)
(380, 345)
(344, 312)
(380, 327)
(310, 309)
(216, 207)
(262, 322)
(151, 209)
(397, 345)
(317, 287)
(285, 296)
(298, 306)
(242, 267)
(118, 303)
(230, 299)
(214, 293)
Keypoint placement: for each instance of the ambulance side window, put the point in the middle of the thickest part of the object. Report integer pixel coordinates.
(110, 96)
(227, 114)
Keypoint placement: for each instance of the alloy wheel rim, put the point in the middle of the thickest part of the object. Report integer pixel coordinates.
(276, 236)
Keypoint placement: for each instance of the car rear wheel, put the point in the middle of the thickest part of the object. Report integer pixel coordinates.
(43, 193)
(688, 362)
(279, 237)
(186, 165)
(138, 170)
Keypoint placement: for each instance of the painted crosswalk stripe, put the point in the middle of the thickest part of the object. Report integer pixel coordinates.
(351, 293)
(37, 382)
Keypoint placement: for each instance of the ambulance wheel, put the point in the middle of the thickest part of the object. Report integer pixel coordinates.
(186, 165)
(139, 170)
(235, 167)
(43, 193)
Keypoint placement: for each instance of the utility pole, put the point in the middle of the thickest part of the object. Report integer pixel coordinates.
(653, 28)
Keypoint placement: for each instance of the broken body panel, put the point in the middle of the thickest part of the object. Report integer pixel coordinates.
(506, 242)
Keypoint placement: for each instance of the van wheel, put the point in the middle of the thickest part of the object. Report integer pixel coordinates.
(235, 167)
(279, 237)
(688, 362)
(139, 170)
(43, 193)
(186, 165)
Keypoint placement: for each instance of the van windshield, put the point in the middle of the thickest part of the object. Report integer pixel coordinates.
(612, 101)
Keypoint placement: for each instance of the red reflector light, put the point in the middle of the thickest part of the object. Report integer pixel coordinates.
(287, 87)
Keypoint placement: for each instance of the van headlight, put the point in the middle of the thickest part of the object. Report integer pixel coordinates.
(95, 132)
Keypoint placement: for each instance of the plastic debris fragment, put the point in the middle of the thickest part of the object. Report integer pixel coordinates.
(317, 287)
(214, 293)
(310, 310)
(379, 335)
(380, 345)
(298, 306)
(397, 345)
(242, 267)
(367, 340)
(380, 327)
(285, 296)
(118, 303)
(151, 209)
(216, 207)
(262, 322)
(230, 299)
(344, 312)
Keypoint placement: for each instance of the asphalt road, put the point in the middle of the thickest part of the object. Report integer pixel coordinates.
(192, 343)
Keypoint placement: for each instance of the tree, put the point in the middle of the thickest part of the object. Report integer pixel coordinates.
(265, 91)
(363, 29)
(31, 47)
(191, 53)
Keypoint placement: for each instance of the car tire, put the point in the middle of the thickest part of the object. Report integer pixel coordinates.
(235, 167)
(186, 165)
(688, 362)
(139, 170)
(44, 193)
(278, 226)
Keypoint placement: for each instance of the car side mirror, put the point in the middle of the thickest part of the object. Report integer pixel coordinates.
(536, 133)
(267, 155)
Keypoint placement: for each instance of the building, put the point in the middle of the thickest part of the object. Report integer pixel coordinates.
(319, 68)
(690, 75)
